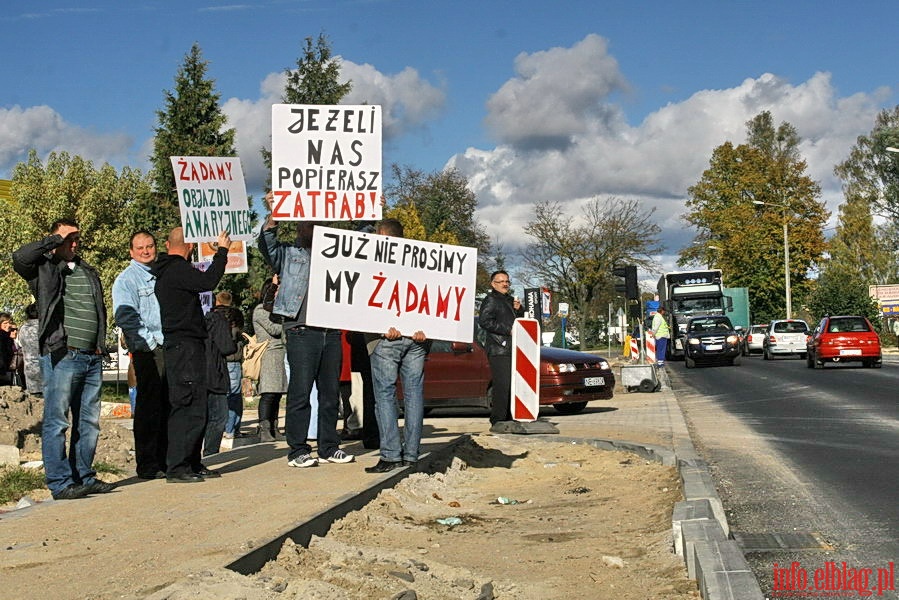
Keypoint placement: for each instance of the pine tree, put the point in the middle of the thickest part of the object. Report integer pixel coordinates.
(191, 124)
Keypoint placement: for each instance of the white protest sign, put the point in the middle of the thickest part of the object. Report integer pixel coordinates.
(212, 198)
(237, 256)
(326, 162)
(368, 282)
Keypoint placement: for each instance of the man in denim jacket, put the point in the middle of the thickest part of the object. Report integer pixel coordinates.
(314, 354)
(136, 311)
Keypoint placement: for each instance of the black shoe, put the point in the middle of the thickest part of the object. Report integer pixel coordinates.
(99, 487)
(351, 434)
(73, 492)
(185, 478)
(156, 475)
(207, 473)
(384, 466)
(410, 463)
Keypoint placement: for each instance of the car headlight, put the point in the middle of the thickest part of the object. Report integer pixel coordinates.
(693, 341)
(603, 365)
(562, 368)
(732, 339)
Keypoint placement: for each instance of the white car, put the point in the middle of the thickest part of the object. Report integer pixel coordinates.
(785, 337)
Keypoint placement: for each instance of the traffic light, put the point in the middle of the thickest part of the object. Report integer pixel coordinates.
(629, 286)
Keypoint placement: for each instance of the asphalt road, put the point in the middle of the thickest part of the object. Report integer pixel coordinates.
(796, 450)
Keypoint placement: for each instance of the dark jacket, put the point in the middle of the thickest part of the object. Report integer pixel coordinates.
(178, 286)
(234, 318)
(45, 274)
(496, 316)
(218, 345)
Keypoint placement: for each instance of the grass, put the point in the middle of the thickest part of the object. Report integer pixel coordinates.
(104, 467)
(112, 392)
(16, 482)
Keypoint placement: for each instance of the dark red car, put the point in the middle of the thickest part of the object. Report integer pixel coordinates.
(844, 339)
(458, 374)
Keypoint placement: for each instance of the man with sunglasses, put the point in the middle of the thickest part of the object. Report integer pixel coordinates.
(497, 316)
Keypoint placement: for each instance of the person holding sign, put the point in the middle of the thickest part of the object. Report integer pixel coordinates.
(391, 356)
(178, 288)
(314, 354)
(497, 316)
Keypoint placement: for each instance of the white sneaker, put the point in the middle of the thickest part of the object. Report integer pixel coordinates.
(339, 456)
(303, 461)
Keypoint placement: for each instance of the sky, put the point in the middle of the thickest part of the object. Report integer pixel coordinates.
(565, 100)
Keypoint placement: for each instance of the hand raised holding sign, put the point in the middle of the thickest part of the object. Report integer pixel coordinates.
(224, 240)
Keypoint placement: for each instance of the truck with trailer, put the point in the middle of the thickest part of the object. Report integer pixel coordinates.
(687, 294)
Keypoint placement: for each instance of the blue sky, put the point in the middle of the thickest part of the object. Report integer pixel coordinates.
(529, 99)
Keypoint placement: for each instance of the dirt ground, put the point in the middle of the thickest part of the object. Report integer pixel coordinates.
(510, 517)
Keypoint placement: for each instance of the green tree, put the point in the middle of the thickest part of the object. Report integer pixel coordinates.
(101, 200)
(739, 207)
(839, 292)
(870, 171)
(575, 258)
(191, 124)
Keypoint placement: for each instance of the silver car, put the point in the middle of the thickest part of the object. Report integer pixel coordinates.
(754, 340)
(785, 337)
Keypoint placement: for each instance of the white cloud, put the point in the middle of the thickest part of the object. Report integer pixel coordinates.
(43, 129)
(571, 142)
(408, 103)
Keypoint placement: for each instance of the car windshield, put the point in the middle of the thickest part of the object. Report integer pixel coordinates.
(715, 325)
(847, 324)
(790, 327)
(697, 305)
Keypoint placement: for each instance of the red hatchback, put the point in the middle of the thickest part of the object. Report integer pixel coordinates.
(843, 339)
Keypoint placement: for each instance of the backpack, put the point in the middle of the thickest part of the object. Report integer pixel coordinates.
(252, 357)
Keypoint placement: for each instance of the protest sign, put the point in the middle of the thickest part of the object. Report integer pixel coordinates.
(368, 282)
(237, 256)
(212, 198)
(326, 162)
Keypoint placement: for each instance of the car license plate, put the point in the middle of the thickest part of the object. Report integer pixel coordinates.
(714, 347)
(852, 352)
(594, 381)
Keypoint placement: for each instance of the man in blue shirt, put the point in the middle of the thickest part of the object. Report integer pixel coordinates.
(136, 312)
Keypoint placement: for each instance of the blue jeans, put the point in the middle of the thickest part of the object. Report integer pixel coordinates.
(73, 384)
(406, 359)
(216, 417)
(235, 398)
(314, 356)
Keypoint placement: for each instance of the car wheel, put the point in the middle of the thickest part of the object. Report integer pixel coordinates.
(766, 355)
(819, 364)
(571, 408)
(689, 362)
(735, 361)
(878, 364)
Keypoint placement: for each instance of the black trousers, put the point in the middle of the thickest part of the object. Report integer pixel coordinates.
(371, 437)
(501, 369)
(186, 373)
(151, 412)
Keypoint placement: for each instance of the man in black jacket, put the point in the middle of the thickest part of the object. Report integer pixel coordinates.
(497, 316)
(178, 286)
(72, 339)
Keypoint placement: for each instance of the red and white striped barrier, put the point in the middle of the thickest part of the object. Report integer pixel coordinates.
(525, 370)
(650, 347)
(635, 349)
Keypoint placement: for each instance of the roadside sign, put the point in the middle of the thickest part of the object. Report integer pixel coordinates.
(525, 370)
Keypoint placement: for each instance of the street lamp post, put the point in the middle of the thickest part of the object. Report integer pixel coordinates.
(786, 256)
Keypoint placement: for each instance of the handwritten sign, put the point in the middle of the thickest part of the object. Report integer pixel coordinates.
(368, 282)
(212, 198)
(326, 162)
